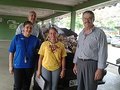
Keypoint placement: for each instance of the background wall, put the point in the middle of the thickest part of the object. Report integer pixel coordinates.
(8, 25)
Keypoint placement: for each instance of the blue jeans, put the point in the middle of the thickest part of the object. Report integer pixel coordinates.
(51, 78)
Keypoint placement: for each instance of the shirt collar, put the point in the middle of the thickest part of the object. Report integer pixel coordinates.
(92, 29)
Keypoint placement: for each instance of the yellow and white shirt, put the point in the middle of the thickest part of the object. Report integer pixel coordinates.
(52, 59)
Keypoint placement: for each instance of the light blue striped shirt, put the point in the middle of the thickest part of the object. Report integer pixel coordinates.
(35, 31)
(93, 46)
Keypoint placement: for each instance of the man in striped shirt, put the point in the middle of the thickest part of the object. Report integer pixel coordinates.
(91, 54)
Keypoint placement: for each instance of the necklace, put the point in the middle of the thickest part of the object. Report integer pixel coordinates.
(53, 47)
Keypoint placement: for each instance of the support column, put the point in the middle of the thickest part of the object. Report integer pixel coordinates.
(73, 18)
(53, 20)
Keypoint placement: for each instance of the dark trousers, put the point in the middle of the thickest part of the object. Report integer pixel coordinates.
(22, 78)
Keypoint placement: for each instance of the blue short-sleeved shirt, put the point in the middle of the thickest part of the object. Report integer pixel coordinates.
(24, 50)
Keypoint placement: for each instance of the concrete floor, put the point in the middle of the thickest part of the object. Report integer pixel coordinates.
(6, 80)
(112, 78)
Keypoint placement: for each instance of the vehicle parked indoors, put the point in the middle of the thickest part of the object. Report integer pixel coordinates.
(115, 41)
(109, 39)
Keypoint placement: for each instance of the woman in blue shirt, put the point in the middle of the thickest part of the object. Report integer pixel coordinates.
(22, 57)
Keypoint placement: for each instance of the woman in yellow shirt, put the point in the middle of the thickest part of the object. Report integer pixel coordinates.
(51, 63)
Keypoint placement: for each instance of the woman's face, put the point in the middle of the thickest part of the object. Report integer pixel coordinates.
(52, 34)
(27, 30)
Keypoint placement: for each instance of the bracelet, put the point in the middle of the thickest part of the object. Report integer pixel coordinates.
(63, 68)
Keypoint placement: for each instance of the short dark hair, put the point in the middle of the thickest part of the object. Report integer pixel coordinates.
(90, 12)
(53, 29)
(27, 22)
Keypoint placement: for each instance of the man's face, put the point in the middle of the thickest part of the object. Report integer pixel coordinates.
(87, 20)
(32, 17)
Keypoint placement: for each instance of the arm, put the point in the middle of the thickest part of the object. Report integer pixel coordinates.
(62, 74)
(63, 63)
(77, 51)
(41, 53)
(11, 56)
(39, 66)
(12, 50)
(102, 53)
(75, 69)
(102, 57)
(75, 57)
(75, 61)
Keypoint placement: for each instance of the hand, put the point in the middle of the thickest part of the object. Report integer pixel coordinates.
(75, 69)
(98, 74)
(11, 70)
(62, 74)
(38, 73)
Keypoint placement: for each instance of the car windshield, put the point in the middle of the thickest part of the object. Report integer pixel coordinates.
(117, 37)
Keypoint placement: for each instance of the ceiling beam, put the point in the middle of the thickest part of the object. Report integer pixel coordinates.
(36, 4)
(53, 15)
(88, 4)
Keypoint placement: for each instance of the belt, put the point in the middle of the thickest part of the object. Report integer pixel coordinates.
(86, 59)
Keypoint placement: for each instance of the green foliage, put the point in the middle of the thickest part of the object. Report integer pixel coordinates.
(78, 23)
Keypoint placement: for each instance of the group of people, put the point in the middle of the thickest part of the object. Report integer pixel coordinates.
(89, 59)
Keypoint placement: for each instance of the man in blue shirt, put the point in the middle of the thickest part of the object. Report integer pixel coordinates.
(91, 54)
(22, 57)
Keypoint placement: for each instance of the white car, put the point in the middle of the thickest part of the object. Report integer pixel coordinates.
(109, 39)
(115, 41)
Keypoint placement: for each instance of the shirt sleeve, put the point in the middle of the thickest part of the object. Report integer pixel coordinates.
(102, 54)
(76, 52)
(42, 49)
(19, 29)
(75, 56)
(12, 47)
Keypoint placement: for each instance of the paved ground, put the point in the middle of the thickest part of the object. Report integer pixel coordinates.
(6, 80)
(112, 78)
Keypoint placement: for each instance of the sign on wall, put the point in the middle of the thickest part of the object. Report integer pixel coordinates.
(12, 24)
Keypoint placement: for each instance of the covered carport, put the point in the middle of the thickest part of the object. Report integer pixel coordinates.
(15, 12)
(12, 13)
